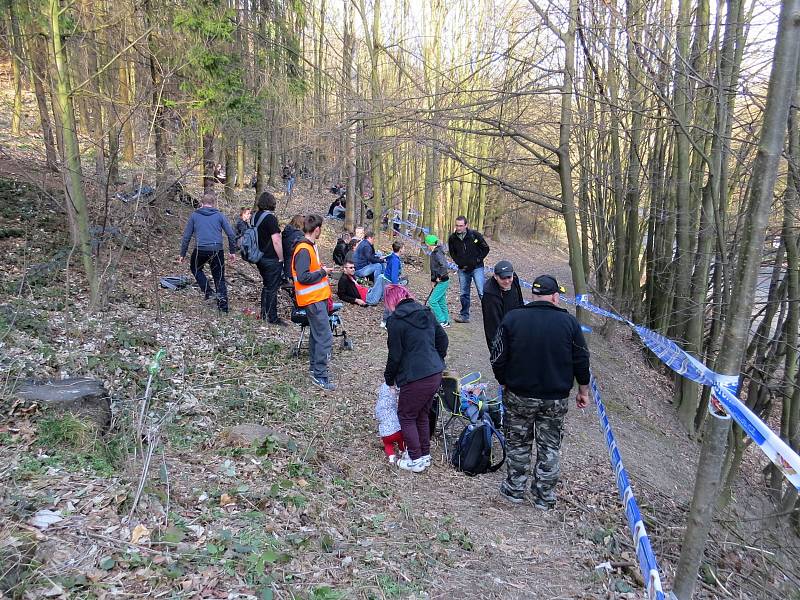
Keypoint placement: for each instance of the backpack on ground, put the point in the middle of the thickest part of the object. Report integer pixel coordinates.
(248, 247)
(473, 452)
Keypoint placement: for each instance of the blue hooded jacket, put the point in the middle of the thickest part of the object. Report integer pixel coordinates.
(394, 267)
(207, 225)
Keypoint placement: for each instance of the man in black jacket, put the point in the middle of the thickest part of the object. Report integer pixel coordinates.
(467, 249)
(538, 352)
(501, 294)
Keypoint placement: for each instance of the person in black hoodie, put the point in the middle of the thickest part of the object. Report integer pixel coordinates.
(340, 250)
(538, 352)
(417, 347)
(501, 294)
(291, 234)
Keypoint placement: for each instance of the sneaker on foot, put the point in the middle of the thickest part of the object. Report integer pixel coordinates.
(383, 324)
(409, 464)
(392, 459)
(426, 459)
(460, 319)
(323, 382)
(445, 325)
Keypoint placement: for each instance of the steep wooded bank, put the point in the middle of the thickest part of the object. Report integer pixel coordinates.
(659, 138)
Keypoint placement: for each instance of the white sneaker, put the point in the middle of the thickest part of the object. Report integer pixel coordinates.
(383, 324)
(415, 466)
(426, 459)
(392, 459)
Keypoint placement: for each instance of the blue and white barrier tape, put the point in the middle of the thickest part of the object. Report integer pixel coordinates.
(724, 387)
(644, 551)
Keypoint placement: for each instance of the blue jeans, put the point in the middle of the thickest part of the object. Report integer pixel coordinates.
(375, 293)
(289, 185)
(216, 260)
(464, 279)
(375, 269)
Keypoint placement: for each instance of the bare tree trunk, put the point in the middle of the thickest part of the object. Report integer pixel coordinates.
(779, 95)
(77, 203)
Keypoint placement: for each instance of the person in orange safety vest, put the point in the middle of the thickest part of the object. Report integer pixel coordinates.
(312, 291)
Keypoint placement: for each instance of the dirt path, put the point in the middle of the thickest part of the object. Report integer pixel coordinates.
(522, 552)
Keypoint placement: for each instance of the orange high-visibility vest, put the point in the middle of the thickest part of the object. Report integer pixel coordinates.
(308, 294)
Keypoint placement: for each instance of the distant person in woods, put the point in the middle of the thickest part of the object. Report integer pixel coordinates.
(292, 233)
(537, 354)
(312, 291)
(417, 348)
(271, 264)
(440, 279)
(501, 294)
(288, 175)
(206, 225)
(467, 249)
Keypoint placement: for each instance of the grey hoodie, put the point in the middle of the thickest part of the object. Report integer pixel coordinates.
(207, 225)
(438, 265)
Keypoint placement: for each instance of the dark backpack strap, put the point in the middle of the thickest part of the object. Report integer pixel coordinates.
(487, 421)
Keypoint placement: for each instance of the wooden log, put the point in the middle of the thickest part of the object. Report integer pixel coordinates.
(85, 398)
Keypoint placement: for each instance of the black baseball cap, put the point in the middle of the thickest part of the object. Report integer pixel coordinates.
(544, 285)
(504, 269)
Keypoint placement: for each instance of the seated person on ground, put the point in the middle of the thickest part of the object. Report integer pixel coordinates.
(351, 291)
(340, 250)
(351, 249)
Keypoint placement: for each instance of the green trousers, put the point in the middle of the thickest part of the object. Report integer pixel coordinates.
(438, 302)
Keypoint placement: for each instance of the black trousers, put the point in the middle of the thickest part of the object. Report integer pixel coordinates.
(216, 260)
(271, 271)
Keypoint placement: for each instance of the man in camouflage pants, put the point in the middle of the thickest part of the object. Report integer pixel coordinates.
(537, 353)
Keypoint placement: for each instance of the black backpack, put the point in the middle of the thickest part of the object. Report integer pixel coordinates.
(473, 451)
(248, 246)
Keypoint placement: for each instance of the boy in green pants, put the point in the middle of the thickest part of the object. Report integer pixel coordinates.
(441, 280)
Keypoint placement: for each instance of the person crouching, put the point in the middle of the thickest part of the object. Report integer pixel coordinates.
(417, 347)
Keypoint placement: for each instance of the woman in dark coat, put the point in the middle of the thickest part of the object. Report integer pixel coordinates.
(417, 347)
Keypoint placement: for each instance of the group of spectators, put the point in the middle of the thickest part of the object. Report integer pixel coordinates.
(537, 350)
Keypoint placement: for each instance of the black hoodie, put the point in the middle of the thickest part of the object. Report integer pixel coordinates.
(539, 350)
(496, 303)
(417, 344)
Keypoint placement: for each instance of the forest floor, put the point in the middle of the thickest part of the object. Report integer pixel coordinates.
(315, 511)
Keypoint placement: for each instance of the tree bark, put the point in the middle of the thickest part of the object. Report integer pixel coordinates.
(779, 95)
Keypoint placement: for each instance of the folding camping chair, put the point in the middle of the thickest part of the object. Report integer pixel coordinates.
(299, 317)
(463, 398)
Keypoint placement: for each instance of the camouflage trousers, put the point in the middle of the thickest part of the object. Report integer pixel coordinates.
(527, 419)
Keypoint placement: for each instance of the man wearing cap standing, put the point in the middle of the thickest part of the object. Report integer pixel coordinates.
(537, 354)
(501, 294)
(467, 249)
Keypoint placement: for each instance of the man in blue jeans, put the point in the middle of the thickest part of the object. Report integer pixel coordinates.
(207, 225)
(467, 248)
(366, 261)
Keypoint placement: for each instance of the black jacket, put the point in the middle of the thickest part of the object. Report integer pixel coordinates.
(339, 252)
(469, 252)
(417, 344)
(539, 350)
(347, 290)
(496, 304)
(289, 238)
